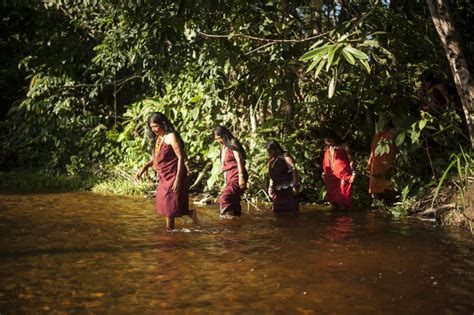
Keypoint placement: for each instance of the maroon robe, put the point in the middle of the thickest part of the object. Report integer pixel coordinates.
(169, 203)
(283, 199)
(230, 198)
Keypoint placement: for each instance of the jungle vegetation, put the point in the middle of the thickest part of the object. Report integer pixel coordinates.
(79, 79)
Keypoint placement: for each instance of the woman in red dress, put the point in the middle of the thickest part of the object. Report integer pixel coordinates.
(338, 171)
(283, 188)
(235, 174)
(168, 160)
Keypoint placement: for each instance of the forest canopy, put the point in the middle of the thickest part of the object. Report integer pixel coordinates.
(79, 79)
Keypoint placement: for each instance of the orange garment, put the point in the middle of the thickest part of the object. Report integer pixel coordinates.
(380, 164)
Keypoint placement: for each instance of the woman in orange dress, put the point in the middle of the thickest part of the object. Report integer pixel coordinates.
(380, 164)
(235, 174)
(168, 159)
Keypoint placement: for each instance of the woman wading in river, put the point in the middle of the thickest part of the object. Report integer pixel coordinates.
(168, 159)
(338, 171)
(235, 174)
(284, 187)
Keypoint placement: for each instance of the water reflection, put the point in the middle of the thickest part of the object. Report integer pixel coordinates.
(86, 253)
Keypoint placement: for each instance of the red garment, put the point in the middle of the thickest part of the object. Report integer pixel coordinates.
(283, 199)
(337, 174)
(169, 203)
(230, 198)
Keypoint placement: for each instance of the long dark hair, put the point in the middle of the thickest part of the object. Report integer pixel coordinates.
(331, 134)
(275, 147)
(165, 124)
(229, 140)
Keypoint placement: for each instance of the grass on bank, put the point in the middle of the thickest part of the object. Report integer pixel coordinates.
(27, 181)
(35, 181)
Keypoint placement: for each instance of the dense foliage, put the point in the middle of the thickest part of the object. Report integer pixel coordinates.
(282, 70)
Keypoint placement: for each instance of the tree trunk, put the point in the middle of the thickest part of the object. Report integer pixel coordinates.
(452, 46)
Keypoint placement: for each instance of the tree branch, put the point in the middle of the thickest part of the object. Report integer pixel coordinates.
(274, 41)
(263, 39)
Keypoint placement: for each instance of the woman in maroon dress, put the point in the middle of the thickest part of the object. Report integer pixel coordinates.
(435, 95)
(284, 187)
(168, 160)
(233, 165)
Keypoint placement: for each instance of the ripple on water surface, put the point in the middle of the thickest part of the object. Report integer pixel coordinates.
(83, 252)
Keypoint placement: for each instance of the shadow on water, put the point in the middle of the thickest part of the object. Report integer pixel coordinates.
(89, 253)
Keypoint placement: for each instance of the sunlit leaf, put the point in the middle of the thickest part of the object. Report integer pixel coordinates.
(422, 123)
(332, 87)
(318, 69)
(331, 54)
(357, 53)
(314, 64)
(316, 44)
(313, 53)
(365, 64)
(348, 56)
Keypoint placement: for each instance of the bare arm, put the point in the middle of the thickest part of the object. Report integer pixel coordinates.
(241, 168)
(270, 188)
(144, 168)
(178, 150)
(222, 157)
(351, 161)
(291, 164)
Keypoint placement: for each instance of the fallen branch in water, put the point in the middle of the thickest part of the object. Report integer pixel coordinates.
(427, 219)
(201, 175)
(251, 203)
(204, 200)
(125, 175)
(434, 210)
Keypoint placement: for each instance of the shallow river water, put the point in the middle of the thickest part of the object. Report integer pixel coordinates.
(89, 253)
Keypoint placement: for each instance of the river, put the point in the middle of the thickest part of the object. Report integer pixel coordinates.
(89, 253)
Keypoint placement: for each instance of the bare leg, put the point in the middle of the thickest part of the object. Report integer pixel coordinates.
(170, 223)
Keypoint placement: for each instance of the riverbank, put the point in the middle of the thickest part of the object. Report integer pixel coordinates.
(449, 206)
(448, 209)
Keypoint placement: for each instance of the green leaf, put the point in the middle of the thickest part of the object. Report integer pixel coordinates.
(422, 123)
(332, 86)
(415, 135)
(357, 53)
(350, 59)
(314, 53)
(400, 139)
(382, 148)
(370, 42)
(365, 64)
(196, 98)
(318, 69)
(195, 113)
(314, 64)
(331, 54)
(316, 44)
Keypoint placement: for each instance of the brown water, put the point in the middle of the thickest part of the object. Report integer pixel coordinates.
(88, 253)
